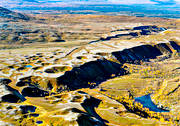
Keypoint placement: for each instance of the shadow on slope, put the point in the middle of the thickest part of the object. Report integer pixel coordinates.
(90, 74)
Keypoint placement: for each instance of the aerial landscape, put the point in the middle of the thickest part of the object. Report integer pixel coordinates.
(90, 63)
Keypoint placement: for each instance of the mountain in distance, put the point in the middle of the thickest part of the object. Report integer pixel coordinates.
(5, 13)
(70, 3)
(17, 3)
(155, 8)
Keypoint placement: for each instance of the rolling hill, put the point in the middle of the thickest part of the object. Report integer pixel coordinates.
(5, 13)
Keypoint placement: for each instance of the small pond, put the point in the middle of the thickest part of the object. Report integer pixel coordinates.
(28, 66)
(147, 102)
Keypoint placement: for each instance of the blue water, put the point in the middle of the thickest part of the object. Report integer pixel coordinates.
(39, 122)
(28, 66)
(147, 102)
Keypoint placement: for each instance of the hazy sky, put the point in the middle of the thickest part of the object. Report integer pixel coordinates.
(165, 2)
(12, 3)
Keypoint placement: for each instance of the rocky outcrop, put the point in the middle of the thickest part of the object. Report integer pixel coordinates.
(132, 33)
(145, 52)
(101, 70)
(90, 74)
(34, 92)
